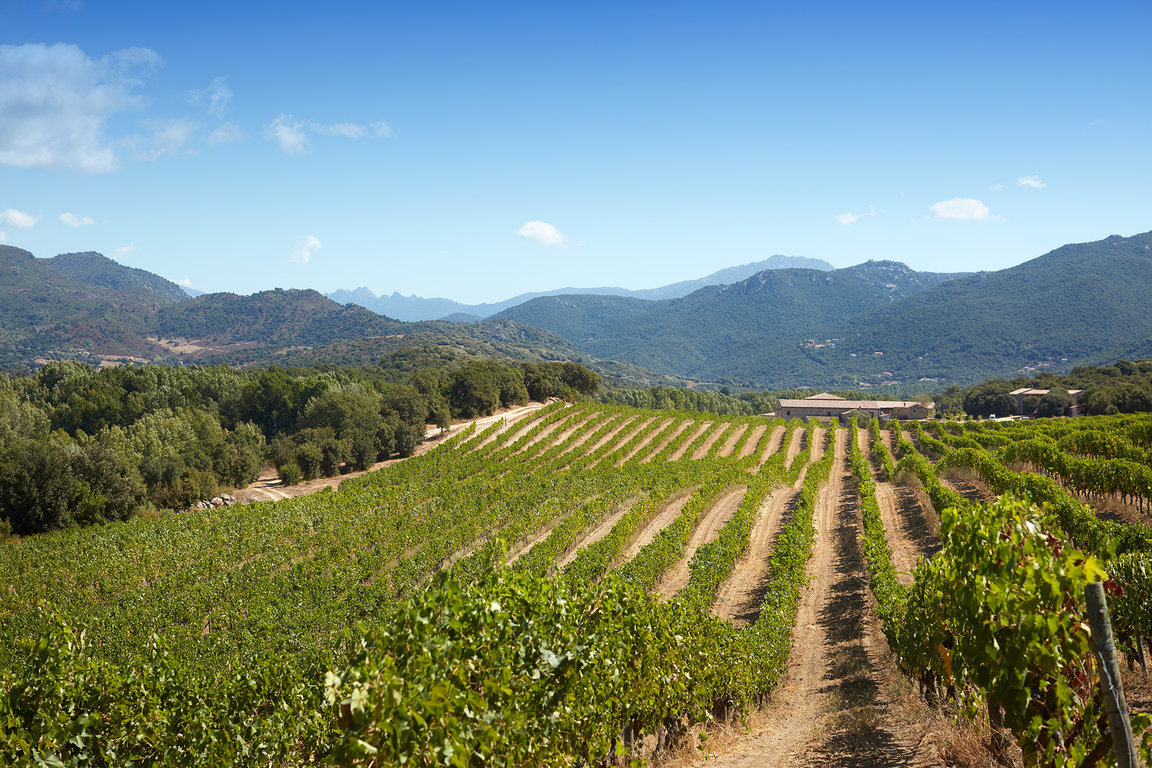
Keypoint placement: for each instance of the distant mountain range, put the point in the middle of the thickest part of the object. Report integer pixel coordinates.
(879, 321)
(864, 326)
(414, 308)
(87, 307)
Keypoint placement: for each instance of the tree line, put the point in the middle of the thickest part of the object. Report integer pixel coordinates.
(81, 446)
(1122, 387)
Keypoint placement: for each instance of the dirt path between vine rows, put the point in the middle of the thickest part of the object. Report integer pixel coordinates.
(774, 444)
(794, 447)
(623, 425)
(972, 490)
(658, 523)
(559, 438)
(713, 436)
(910, 524)
(676, 577)
(591, 537)
(663, 443)
(841, 701)
(740, 596)
(753, 441)
(730, 443)
(679, 452)
(648, 438)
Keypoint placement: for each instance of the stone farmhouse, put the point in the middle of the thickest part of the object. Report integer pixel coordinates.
(1024, 392)
(825, 406)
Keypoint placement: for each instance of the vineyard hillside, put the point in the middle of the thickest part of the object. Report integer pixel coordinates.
(594, 583)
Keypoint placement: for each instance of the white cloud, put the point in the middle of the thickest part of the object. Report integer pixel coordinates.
(542, 233)
(55, 101)
(996, 187)
(848, 219)
(228, 132)
(215, 98)
(347, 130)
(1031, 181)
(185, 282)
(963, 209)
(302, 254)
(168, 138)
(291, 136)
(74, 221)
(353, 130)
(16, 218)
(122, 251)
(3, 236)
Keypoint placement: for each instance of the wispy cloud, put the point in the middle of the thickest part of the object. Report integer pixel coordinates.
(353, 130)
(293, 135)
(72, 220)
(963, 209)
(185, 282)
(542, 233)
(290, 135)
(848, 219)
(303, 253)
(1031, 181)
(226, 133)
(56, 100)
(168, 138)
(996, 187)
(119, 253)
(214, 98)
(19, 219)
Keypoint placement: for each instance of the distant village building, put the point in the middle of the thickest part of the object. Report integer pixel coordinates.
(1025, 392)
(825, 406)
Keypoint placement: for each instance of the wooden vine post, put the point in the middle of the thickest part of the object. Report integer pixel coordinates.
(1114, 704)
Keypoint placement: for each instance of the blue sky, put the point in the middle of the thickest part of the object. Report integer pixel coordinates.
(479, 150)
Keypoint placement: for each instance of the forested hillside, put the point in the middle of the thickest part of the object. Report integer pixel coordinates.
(80, 446)
(879, 322)
(752, 331)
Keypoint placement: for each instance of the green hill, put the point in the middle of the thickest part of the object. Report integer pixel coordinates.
(879, 322)
(752, 331)
(95, 270)
(1087, 303)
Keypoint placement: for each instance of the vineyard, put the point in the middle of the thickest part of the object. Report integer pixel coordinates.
(598, 584)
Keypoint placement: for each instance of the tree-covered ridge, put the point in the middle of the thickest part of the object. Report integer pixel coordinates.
(749, 331)
(80, 446)
(97, 270)
(879, 322)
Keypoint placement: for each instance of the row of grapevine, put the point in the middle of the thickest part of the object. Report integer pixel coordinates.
(995, 616)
